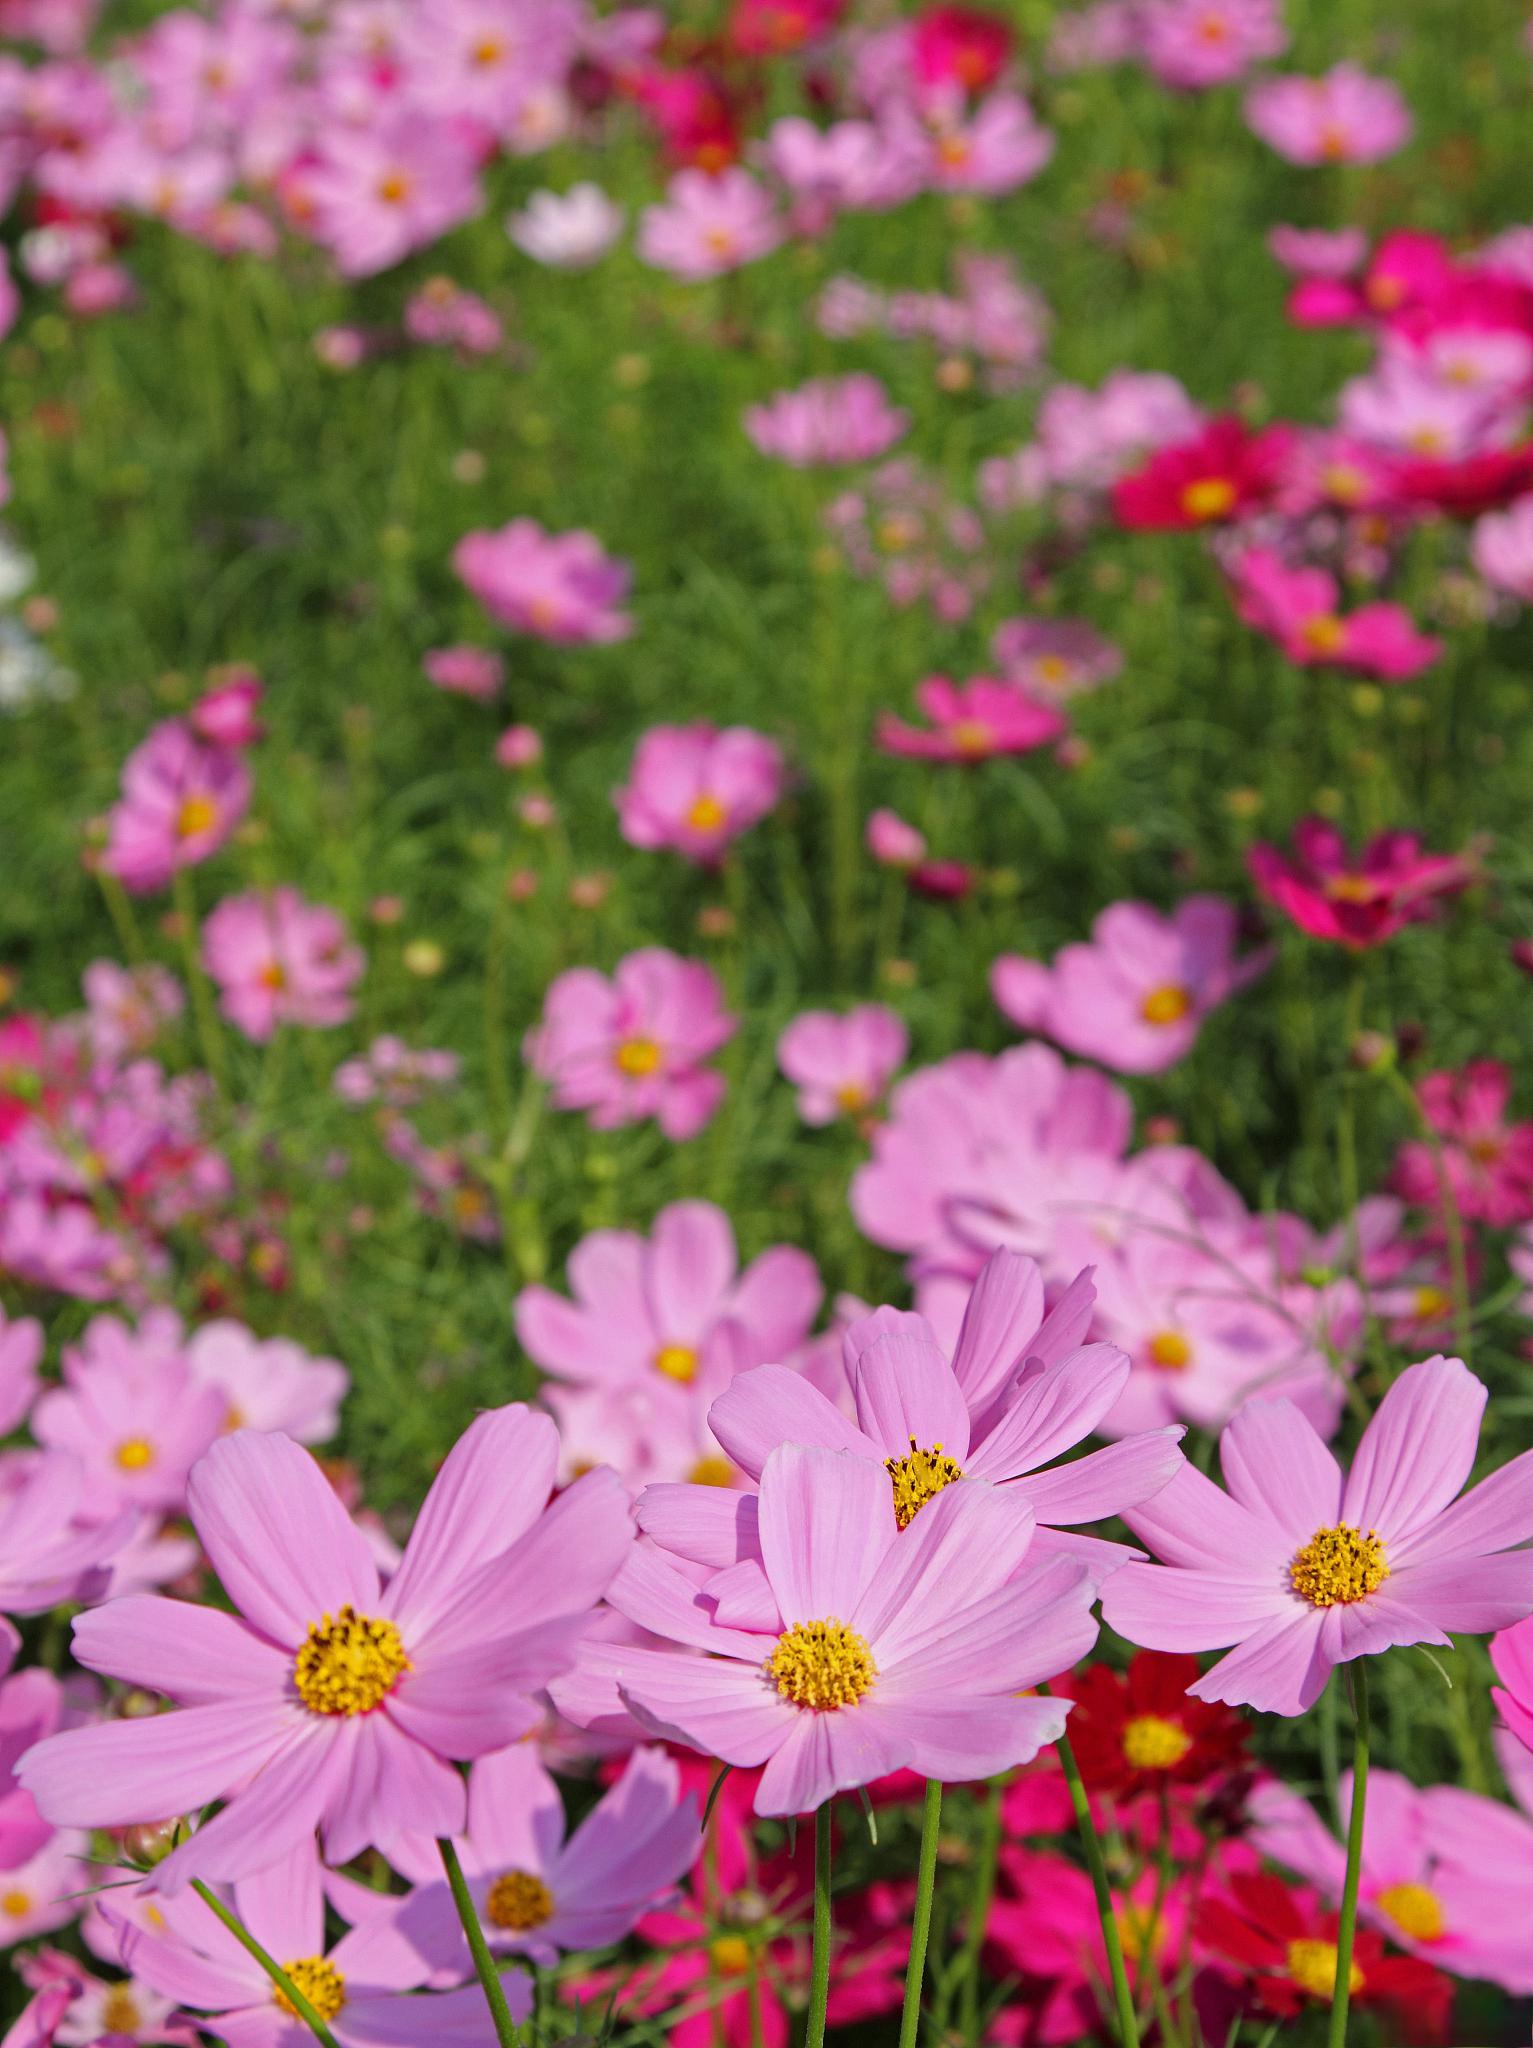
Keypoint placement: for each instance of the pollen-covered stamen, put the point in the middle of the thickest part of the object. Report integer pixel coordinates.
(1152, 1743)
(198, 814)
(135, 1453)
(120, 2013)
(1170, 1351)
(1168, 1004)
(1339, 1566)
(1312, 1966)
(918, 1477)
(821, 1664)
(1415, 1910)
(321, 1984)
(1210, 497)
(637, 1058)
(518, 1901)
(677, 1362)
(348, 1663)
(707, 814)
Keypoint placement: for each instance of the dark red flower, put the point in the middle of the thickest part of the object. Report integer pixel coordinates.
(1223, 473)
(1137, 1731)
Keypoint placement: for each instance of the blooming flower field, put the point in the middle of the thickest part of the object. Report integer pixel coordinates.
(766, 1089)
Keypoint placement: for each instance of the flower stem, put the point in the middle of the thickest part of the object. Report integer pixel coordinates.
(269, 1964)
(209, 1037)
(921, 1925)
(819, 1969)
(479, 1948)
(979, 1912)
(1091, 1841)
(1347, 1925)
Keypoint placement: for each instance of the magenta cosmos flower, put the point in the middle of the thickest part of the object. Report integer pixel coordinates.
(828, 421)
(180, 801)
(634, 1046)
(562, 587)
(1136, 996)
(1344, 117)
(279, 960)
(861, 1649)
(971, 722)
(539, 1891)
(842, 1065)
(1356, 900)
(1302, 1567)
(327, 1700)
(695, 789)
(359, 1986)
(1487, 1161)
(706, 225)
(1300, 609)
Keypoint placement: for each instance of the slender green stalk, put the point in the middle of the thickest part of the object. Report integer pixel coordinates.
(819, 1968)
(1347, 1926)
(979, 1912)
(1091, 1841)
(209, 1036)
(269, 1964)
(479, 1948)
(921, 1925)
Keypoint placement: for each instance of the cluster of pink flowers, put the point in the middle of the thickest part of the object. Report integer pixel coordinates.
(990, 316)
(827, 422)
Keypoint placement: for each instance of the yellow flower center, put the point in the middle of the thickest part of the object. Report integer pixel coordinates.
(973, 738)
(517, 1901)
(1431, 1302)
(1151, 1743)
(851, 1096)
(1351, 889)
(954, 151)
(1323, 634)
(15, 1905)
(1312, 1966)
(1168, 1004)
(676, 1362)
(489, 51)
(135, 1454)
(712, 1470)
(919, 1477)
(1170, 1350)
(119, 2012)
(321, 1984)
(348, 1663)
(1338, 1567)
(730, 1955)
(1140, 1930)
(707, 814)
(1415, 1910)
(719, 241)
(1428, 441)
(1213, 28)
(273, 976)
(1335, 144)
(1053, 668)
(1211, 497)
(1345, 483)
(637, 1057)
(395, 187)
(198, 814)
(821, 1664)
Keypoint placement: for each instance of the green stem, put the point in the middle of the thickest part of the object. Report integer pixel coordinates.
(1091, 1841)
(209, 1037)
(921, 1925)
(479, 1948)
(269, 1964)
(1347, 1925)
(819, 1969)
(979, 1911)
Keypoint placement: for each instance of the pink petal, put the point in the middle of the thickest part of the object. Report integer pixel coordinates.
(962, 1741)
(1004, 1314)
(273, 1814)
(1052, 1408)
(435, 2019)
(1275, 1464)
(1418, 1451)
(906, 1395)
(778, 1298)
(825, 1754)
(1171, 1608)
(477, 1698)
(721, 1708)
(655, 1596)
(688, 1270)
(194, 1655)
(121, 1772)
(1494, 1515)
(283, 1906)
(773, 1405)
(1470, 1596)
(743, 1598)
(1193, 1522)
(168, 1966)
(396, 1786)
(968, 1540)
(827, 1524)
(707, 1524)
(1021, 1634)
(515, 1812)
(1104, 1482)
(1280, 1669)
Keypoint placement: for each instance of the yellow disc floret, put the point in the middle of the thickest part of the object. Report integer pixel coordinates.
(517, 1901)
(638, 1058)
(135, 1454)
(348, 1662)
(1168, 1004)
(1170, 1350)
(1312, 1966)
(676, 1362)
(1151, 1743)
(821, 1664)
(706, 814)
(918, 1477)
(321, 1984)
(1339, 1566)
(1417, 1912)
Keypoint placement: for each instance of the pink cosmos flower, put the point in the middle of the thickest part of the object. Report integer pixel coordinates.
(1054, 657)
(827, 421)
(842, 1065)
(972, 721)
(1356, 900)
(327, 1700)
(1303, 1568)
(380, 190)
(119, 2011)
(1319, 252)
(1344, 117)
(279, 960)
(634, 1046)
(567, 230)
(862, 1649)
(180, 801)
(443, 315)
(672, 1314)
(1136, 995)
(225, 715)
(1501, 548)
(40, 2019)
(1487, 1162)
(560, 586)
(695, 789)
(394, 1073)
(44, 1892)
(32, 1705)
(466, 671)
(1403, 409)
(358, 1986)
(1438, 1869)
(1089, 438)
(1192, 44)
(707, 225)
(268, 1383)
(892, 842)
(992, 149)
(1299, 609)
(46, 1556)
(21, 1350)
(127, 1006)
(538, 1892)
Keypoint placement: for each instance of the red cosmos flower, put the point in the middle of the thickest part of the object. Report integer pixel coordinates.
(1284, 1943)
(1476, 484)
(769, 28)
(959, 46)
(698, 125)
(1221, 474)
(972, 721)
(1487, 1162)
(1356, 900)
(1138, 1731)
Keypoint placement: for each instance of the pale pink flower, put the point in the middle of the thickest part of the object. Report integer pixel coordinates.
(1501, 548)
(634, 1046)
(892, 842)
(382, 190)
(279, 960)
(126, 1007)
(1090, 438)
(1300, 608)
(841, 1065)
(567, 230)
(519, 746)
(465, 671)
(1054, 657)
(1319, 252)
(1193, 44)
(180, 801)
(993, 149)
(1401, 407)
(695, 789)
(1345, 116)
(707, 225)
(267, 1383)
(394, 1073)
(827, 421)
(560, 586)
(44, 1892)
(444, 315)
(46, 1556)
